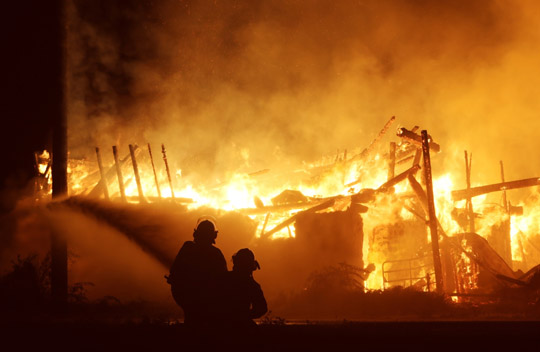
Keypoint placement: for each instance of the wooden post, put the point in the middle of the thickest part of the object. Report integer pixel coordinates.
(432, 216)
(265, 223)
(391, 161)
(136, 172)
(469, 205)
(102, 173)
(109, 175)
(507, 240)
(119, 174)
(505, 203)
(164, 152)
(154, 169)
(59, 276)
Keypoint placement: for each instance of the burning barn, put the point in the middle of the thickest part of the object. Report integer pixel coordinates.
(377, 210)
(250, 103)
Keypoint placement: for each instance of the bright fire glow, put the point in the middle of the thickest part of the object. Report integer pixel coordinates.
(238, 191)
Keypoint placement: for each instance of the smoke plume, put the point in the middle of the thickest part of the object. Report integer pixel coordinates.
(241, 86)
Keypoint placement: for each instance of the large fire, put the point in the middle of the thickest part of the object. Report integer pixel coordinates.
(272, 200)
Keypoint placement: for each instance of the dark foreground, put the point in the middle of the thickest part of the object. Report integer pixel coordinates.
(454, 335)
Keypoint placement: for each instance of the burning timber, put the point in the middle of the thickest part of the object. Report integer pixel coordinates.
(362, 209)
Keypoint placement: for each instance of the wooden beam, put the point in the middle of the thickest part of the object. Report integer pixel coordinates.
(136, 173)
(292, 219)
(416, 139)
(109, 175)
(154, 169)
(431, 213)
(391, 161)
(103, 180)
(283, 207)
(164, 152)
(496, 187)
(118, 167)
(397, 179)
(468, 164)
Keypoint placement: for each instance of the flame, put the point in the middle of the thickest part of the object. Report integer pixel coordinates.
(327, 177)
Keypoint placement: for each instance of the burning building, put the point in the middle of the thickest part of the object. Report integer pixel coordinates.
(368, 206)
(248, 102)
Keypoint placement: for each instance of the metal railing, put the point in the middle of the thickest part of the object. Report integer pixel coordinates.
(406, 272)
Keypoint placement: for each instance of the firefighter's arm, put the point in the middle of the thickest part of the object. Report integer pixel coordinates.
(258, 303)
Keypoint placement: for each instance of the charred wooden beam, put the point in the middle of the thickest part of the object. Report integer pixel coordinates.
(422, 197)
(392, 182)
(154, 170)
(136, 173)
(397, 179)
(431, 213)
(103, 181)
(405, 160)
(283, 207)
(496, 187)
(109, 175)
(405, 150)
(164, 152)
(505, 202)
(507, 239)
(391, 161)
(468, 164)
(292, 219)
(416, 139)
(118, 167)
(417, 156)
(365, 195)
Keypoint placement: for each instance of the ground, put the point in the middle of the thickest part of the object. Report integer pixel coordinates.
(325, 336)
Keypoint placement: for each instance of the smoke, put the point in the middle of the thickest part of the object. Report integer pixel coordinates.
(241, 86)
(123, 250)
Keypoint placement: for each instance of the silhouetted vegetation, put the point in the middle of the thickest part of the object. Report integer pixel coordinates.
(25, 293)
(336, 292)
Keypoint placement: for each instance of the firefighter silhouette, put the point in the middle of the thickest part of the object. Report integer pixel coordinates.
(195, 275)
(242, 297)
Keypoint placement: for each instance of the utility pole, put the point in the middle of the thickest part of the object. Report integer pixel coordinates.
(432, 216)
(60, 155)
